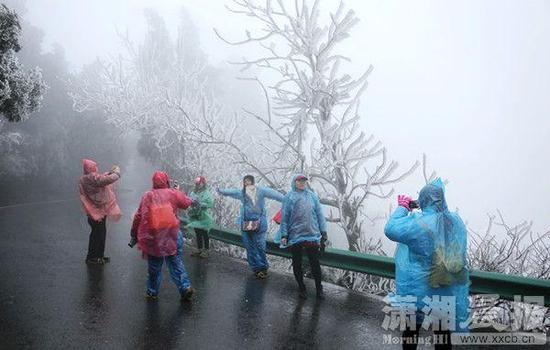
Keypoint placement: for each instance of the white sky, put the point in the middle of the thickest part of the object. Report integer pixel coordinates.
(466, 82)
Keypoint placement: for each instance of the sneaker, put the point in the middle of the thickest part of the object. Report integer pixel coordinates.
(197, 252)
(95, 261)
(106, 259)
(204, 254)
(187, 294)
(261, 274)
(151, 297)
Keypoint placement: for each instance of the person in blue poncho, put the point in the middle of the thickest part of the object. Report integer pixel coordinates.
(303, 228)
(253, 221)
(430, 263)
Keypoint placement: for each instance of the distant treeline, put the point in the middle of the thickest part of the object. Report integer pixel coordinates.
(41, 156)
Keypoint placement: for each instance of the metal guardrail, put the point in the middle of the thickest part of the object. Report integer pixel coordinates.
(482, 282)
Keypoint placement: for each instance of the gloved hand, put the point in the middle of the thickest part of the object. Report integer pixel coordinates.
(403, 201)
(133, 242)
(324, 238)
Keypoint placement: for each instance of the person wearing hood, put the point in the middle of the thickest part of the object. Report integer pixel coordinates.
(156, 231)
(303, 228)
(99, 202)
(253, 221)
(200, 219)
(431, 261)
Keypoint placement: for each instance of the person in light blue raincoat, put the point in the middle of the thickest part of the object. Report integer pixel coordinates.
(253, 215)
(430, 259)
(303, 228)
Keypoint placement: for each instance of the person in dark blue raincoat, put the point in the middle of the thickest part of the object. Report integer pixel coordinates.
(430, 259)
(303, 228)
(253, 221)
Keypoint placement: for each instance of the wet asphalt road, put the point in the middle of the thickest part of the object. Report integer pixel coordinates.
(50, 299)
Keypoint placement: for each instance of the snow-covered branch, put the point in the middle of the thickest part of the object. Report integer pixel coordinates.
(312, 110)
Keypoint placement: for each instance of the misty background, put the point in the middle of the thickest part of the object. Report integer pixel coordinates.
(466, 83)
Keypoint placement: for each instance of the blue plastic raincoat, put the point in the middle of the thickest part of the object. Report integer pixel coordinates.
(431, 254)
(302, 217)
(249, 211)
(255, 242)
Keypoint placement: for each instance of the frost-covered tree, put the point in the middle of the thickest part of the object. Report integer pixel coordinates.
(312, 110)
(20, 91)
(510, 249)
(41, 156)
(155, 87)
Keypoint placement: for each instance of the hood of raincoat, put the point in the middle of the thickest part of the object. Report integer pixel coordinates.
(160, 180)
(293, 183)
(200, 180)
(432, 197)
(88, 166)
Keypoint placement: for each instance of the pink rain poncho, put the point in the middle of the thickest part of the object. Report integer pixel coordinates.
(156, 224)
(96, 192)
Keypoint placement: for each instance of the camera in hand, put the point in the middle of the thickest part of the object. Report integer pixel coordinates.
(132, 242)
(414, 205)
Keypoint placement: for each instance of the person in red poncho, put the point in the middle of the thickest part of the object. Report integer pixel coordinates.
(156, 231)
(99, 203)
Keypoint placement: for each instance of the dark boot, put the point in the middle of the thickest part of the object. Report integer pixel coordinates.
(187, 294)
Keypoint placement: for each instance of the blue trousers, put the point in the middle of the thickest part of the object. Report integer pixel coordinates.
(255, 243)
(175, 266)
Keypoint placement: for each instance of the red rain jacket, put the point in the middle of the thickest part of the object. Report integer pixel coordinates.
(156, 224)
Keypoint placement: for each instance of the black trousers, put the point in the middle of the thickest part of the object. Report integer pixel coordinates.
(202, 238)
(96, 244)
(410, 339)
(312, 252)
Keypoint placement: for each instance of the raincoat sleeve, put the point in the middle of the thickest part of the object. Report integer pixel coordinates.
(401, 227)
(106, 179)
(286, 212)
(319, 213)
(405, 228)
(272, 194)
(137, 218)
(233, 193)
(182, 201)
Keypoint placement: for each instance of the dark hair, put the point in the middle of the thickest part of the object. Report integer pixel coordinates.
(249, 177)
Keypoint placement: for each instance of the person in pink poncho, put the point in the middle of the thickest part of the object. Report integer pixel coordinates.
(99, 202)
(156, 230)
